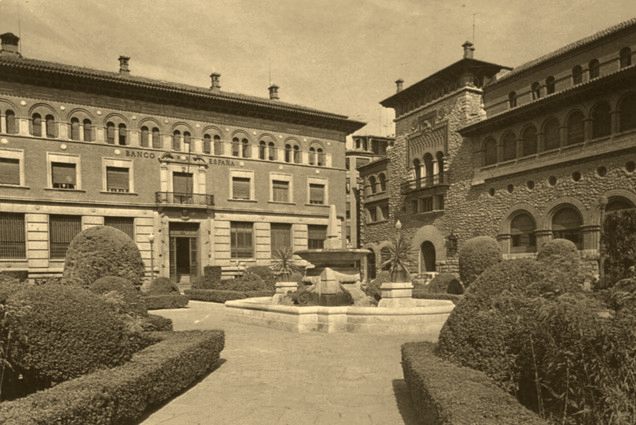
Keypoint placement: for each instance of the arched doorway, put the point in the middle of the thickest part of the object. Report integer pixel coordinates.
(371, 265)
(427, 257)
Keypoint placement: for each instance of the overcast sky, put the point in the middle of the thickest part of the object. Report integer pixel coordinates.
(339, 56)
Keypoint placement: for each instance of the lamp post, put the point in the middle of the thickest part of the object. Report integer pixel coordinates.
(151, 239)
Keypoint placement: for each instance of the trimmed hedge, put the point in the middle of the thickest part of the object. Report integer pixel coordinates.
(130, 300)
(20, 275)
(221, 296)
(248, 282)
(160, 286)
(154, 322)
(422, 294)
(562, 267)
(445, 283)
(475, 256)
(213, 272)
(121, 395)
(158, 302)
(446, 394)
(102, 251)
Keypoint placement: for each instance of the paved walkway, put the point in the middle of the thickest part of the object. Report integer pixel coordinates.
(276, 377)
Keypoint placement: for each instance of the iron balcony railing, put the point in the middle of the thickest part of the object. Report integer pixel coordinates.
(183, 198)
(424, 182)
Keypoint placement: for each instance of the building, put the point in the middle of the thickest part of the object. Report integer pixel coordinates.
(199, 176)
(363, 149)
(539, 152)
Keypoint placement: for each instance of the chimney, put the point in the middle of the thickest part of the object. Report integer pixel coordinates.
(273, 92)
(215, 78)
(10, 44)
(469, 49)
(399, 84)
(123, 65)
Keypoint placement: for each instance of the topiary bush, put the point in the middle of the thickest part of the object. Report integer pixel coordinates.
(562, 266)
(102, 251)
(475, 256)
(61, 332)
(161, 286)
(264, 272)
(131, 301)
(247, 282)
(618, 245)
(213, 272)
(444, 283)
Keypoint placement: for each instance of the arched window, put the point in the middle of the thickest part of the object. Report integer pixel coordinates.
(625, 57)
(88, 130)
(577, 75)
(236, 146)
(272, 151)
(566, 224)
(176, 140)
(187, 139)
(490, 151)
(530, 140)
(627, 112)
(417, 166)
(245, 148)
(207, 144)
(156, 138)
(75, 128)
(550, 85)
(144, 137)
(512, 99)
(36, 125)
(440, 166)
(312, 156)
(428, 169)
(536, 90)
(601, 120)
(110, 133)
(218, 145)
(123, 133)
(297, 158)
(595, 68)
(551, 137)
(51, 126)
(522, 228)
(372, 184)
(382, 178)
(288, 153)
(576, 129)
(617, 203)
(11, 127)
(262, 150)
(321, 157)
(509, 145)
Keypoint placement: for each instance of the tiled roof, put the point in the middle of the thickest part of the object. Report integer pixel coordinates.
(567, 48)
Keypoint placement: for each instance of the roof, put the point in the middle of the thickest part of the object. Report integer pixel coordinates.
(454, 71)
(125, 80)
(568, 48)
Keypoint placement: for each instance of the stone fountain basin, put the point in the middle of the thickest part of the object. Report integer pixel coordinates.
(332, 257)
(425, 319)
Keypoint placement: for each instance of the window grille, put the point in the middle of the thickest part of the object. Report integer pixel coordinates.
(316, 236)
(241, 239)
(12, 236)
(62, 230)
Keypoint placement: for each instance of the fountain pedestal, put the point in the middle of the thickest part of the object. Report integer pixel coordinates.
(397, 294)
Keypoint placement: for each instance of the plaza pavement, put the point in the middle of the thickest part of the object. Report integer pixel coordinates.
(268, 376)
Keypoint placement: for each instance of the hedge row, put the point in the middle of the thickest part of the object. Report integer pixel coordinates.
(122, 394)
(423, 294)
(446, 394)
(222, 295)
(157, 302)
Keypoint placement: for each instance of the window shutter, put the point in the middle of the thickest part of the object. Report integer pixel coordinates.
(280, 191)
(117, 179)
(241, 188)
(9, 171)
(316, 236)
(125, 224)
(64, 176)
(316, 193)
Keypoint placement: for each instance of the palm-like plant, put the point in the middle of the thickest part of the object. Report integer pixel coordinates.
(283, 265)
(398, 261)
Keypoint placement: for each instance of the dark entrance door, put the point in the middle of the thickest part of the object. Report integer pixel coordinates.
(427, 257)
(183, 255)
(184, 241)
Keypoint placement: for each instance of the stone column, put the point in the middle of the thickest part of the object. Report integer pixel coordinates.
(2, 125)
(616, 127)
(591, 236)
(505, 241)
(542, 236)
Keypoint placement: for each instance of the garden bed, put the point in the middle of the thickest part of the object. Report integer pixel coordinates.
(122, 394)
(223, 295)
(158, 302)
(446, 394)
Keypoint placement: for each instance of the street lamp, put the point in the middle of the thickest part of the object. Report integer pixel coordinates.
(151, 239)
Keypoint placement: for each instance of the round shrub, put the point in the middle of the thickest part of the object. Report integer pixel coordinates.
(102, 251)
(131, 299)
(205, 282)
(264, 272)
(475, 256)
(247, 282)
(162, 286)
(444, 283)
(562, 267)
(61, 332)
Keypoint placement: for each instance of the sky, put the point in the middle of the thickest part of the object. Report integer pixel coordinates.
(338, 56)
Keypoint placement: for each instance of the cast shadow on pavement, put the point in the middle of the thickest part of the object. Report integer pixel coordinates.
(403, 400)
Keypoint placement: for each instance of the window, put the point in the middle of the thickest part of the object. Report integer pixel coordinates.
(241, 188)
(11, 123)
(576, 128)
(241, 239)
(88, 130)
(262, 150)
(627, 113)
(110, 133)
(382, 179)
(288, 153)
(426, 204)
(550, 85)
(316, 193)
(182, 183)
(577, 75)
(316, 236)
(207, 144)
(347, 163)
(12, 236)
(218, 145)
(272, 151)
(51, 126)
(145, 137)
(312, 156)
(551, 136)
(529, 137)
(372, 185)
(522, 229)
(536, 90)
(566, 224)
(245, 148)
(281, 237)
(625, 57)
(117, 179)
(187, 140)
(509, 144)
(62, 230)
(125, 224)
(36, 125)
(10, 171)
(601, 120)
(156, 138)
(384, 212)
(490, 152)
(280, 191)
(176, 140)
(123, 135)
(595, 68)
(63, 175)
(512, 99)
(75, 129)
(236, 146)
(372, 214)
(297, 156)
(321, 157)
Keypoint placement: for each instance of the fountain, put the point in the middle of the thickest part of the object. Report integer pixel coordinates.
(336, 270)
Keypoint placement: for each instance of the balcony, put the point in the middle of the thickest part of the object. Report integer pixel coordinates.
(182, 199)
(424, 182)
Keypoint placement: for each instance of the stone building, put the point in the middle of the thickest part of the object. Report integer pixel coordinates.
(200, 176)
(538, 152)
